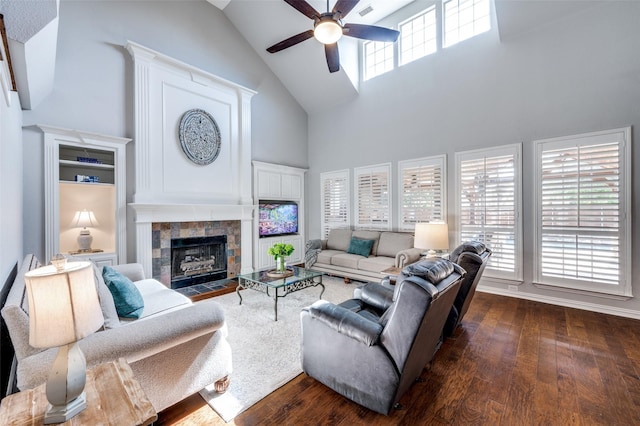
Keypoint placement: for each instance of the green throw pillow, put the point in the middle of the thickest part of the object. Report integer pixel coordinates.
(361, 247)
(126, 296)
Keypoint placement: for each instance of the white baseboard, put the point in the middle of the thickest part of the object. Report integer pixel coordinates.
(587, 306)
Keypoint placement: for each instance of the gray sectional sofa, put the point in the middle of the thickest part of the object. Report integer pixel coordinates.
(175, 348)
(389, 249)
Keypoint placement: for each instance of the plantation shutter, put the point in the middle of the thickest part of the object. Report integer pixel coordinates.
(422, 184)
(334, 200)
(373, 205)
(581, 212)
(489, 207)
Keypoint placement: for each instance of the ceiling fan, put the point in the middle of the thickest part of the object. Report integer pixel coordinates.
(328, 28)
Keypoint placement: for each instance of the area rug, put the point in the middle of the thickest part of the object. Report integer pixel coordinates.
(266, 353)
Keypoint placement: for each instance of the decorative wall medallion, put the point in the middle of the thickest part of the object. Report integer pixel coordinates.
(199, 136)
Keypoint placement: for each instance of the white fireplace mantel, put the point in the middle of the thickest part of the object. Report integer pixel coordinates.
(150, 213)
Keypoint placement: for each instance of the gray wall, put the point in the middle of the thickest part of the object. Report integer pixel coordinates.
(575, 75)
(94, 83)
(10, 185)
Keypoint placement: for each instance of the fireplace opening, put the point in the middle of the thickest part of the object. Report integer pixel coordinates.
(198, 260)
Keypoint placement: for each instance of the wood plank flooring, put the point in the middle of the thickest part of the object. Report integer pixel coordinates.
(512, 362)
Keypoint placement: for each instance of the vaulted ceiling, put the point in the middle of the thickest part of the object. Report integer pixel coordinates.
(32, 29)
(303, 69)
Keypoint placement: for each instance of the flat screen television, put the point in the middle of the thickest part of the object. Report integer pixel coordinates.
(277, 218)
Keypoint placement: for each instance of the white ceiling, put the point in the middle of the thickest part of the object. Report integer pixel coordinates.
(302, 68)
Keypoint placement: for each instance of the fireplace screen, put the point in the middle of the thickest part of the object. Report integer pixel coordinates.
(198, 260)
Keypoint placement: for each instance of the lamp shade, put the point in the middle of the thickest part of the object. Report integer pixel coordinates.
(84, 218)
(63, 304)
(327, 31)
(432, 236)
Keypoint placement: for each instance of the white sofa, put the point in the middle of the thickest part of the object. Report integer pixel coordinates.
(175, 349)
(390, 249)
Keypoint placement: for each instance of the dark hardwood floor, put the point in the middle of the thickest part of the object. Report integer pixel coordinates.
(512, 362)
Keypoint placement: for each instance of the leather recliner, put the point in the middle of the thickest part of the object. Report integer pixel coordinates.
(473, 257)
(371, 348)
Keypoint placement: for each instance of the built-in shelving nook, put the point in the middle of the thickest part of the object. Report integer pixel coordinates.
(85, 172)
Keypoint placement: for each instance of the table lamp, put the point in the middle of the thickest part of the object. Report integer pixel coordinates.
(63, 308)
(431, 236)
(82, 219)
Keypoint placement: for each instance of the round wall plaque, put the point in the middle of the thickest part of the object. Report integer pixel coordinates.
(199, 136)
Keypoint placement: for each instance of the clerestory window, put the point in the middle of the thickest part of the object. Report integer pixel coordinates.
(418, 36)
(464, 19)
(378, 58)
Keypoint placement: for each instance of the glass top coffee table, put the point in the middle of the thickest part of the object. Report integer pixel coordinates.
(280, 286)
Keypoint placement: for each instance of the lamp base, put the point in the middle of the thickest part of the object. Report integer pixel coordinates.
(430, 253)
(65, 386)
(62, 413)
(84, 240)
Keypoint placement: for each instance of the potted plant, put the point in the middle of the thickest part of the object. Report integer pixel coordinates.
(279, 251)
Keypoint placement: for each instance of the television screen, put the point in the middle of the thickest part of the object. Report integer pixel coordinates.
(277, 218)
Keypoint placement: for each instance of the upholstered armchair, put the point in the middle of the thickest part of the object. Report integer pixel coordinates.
(371, 348)
(473, 257)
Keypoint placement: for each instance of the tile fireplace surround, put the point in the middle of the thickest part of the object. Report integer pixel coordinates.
(163, 232)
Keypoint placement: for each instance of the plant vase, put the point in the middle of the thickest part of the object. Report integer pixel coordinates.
(279, 251)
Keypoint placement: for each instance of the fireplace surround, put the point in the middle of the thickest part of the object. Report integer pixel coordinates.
(164, 233)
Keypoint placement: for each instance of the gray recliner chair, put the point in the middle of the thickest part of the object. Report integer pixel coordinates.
(473, 257)
(371, 348)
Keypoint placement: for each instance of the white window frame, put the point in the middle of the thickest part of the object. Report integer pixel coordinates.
(402, 48)
(623, 289)
(385, 171)
(448, 26)
(515, 150)
(369, 72)
(435, 162)
(328, 177)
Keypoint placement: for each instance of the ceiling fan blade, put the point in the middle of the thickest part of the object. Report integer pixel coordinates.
(333, 58)
(291, 41)
(370, 32)
(344, 7)
(303, 7)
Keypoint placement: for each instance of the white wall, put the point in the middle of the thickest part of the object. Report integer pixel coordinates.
(575, 75)
(94, 82)
(10, 185)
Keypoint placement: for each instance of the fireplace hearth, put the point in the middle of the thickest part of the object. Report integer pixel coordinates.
(198, 260)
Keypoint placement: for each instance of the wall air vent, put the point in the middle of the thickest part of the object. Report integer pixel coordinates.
(365, 11)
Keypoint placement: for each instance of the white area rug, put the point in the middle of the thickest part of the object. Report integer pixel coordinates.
(266, 353)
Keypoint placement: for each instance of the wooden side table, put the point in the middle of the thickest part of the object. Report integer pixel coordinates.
(114, 397)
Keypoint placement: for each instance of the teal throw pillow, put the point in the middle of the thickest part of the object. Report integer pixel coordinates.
(360, 246)
(126, 296)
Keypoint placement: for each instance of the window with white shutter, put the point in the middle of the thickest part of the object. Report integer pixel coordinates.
(373, 197)
(582, 212)
(489, 202)
(421, 185)
(334, 201)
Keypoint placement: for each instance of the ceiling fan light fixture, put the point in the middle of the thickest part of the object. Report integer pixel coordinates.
(327, 31)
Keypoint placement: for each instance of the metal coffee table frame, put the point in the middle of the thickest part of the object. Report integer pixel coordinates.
(260, 281)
